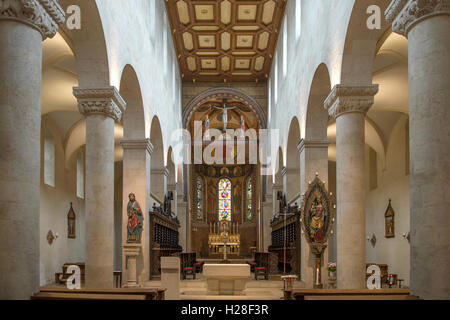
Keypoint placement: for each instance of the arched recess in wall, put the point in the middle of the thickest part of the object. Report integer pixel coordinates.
(293, 163)
(221, 93)
(89, 45)
(133, 117)
(361, 44)
(277, 175)
(316, 115)
(157, 173)
(171, 179)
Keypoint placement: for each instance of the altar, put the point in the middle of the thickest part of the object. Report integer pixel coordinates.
(224, 238)
(226, 279)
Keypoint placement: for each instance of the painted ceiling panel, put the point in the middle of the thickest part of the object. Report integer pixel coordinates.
(241, 35)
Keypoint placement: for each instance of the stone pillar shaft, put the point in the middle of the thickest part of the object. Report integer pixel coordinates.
(348, 105)
(22, 29)
(426, 24)
(102, 107)
(313, 159)
(136, 179)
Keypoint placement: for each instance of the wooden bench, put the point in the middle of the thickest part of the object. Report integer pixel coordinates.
(348, 294)
(59, 293)
(61, 277)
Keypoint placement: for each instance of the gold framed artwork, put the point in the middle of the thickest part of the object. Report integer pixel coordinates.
(389, 221)
(71, 223)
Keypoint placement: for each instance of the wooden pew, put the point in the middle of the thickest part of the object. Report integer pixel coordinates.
(348, 294)
(60, 293)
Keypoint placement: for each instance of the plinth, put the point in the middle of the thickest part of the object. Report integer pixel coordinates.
(131, 252)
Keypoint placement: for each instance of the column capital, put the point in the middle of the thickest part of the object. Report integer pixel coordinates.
(163, 171)
(304, 144)
(106, 101)
(348, 99)
(137, 144)
(42, 15)
(404, 14)
(277, 187)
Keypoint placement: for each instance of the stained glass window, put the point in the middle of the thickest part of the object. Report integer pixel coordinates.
(199, 199)
(224, 199)
(249, 198)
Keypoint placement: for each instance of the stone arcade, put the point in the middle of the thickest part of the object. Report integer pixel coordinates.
(89, 116)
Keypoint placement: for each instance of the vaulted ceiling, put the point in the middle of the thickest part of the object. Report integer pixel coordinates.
(225, 40)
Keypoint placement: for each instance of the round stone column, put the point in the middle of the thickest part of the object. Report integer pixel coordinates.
(101, 107)
(23, 27)
(426, 24)
(349, 105)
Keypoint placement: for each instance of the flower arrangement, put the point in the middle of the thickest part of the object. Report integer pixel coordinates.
(332, 266)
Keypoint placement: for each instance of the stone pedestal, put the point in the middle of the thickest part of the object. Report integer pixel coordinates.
(349, 105)
(101, 107)
(426, 24)
(226, 279)
(170, 277)
(22, 29)
(131, 252)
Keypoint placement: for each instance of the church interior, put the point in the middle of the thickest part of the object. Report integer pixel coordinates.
(217, 149)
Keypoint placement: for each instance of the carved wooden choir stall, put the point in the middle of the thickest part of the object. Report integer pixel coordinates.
(164, 237)
(286, 230)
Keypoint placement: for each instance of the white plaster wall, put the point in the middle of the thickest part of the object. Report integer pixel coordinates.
(323, 30)
(128, 35)
(54, 206)
(393, 184)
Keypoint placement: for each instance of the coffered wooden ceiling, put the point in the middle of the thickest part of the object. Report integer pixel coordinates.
(225, 40)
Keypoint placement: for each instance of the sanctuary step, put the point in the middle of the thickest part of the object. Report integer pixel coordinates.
(255, 290)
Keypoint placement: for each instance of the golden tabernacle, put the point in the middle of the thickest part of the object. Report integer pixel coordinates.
(220, 237)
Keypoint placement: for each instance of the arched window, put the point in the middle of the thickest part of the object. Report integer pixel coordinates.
(298, 17)
(199, 198)
(224, 199)
(249, 198)
(165, 41)
(276, 79)
(269, 99)
(285, 46)
(49, 159)
(80, 174)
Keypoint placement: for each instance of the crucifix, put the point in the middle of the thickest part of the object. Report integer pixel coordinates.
(224, 109)
(224, 247)
(224, 225)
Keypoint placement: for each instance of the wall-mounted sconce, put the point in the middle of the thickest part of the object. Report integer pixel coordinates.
(407, 236)
(373, 240)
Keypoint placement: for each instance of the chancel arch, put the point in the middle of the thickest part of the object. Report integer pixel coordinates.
(220, 189)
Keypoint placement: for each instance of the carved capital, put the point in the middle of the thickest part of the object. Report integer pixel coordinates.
(347, 99)
(137, 144)
(43, 15)
(106, 101)
(404, 14)
(164, 171)
(305, 144)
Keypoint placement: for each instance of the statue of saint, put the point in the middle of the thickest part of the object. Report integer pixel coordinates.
(317, 220)
(135, 220)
